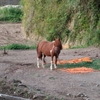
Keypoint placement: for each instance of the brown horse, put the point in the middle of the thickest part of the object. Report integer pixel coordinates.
(46, 48)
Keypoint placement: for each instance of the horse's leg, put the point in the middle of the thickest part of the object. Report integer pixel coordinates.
(55, 63)
(38, 65)
(38, 58)
(51, 66)
(43, 61)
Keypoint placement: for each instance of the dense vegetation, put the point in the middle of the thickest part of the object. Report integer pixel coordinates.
(11, 14)
(76, 21)
(17, 47)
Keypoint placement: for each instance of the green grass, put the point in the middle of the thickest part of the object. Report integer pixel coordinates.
(11, 14)
(17, 47)
(95, 65)
(2, 47)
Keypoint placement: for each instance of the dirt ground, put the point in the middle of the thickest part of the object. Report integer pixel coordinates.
(19, 66)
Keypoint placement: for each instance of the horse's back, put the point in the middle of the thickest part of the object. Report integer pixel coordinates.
(44, 47)
(42, 44)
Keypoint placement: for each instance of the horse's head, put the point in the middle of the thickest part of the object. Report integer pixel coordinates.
(57, 43)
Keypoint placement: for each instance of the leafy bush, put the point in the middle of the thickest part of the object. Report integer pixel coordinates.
(73, 20)
(46, 18)
(18, 47)
(11, 14)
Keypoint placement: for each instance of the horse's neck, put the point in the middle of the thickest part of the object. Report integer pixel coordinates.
(53, 44)
(52, 48)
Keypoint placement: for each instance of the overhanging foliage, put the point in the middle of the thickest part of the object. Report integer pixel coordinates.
(77, 20)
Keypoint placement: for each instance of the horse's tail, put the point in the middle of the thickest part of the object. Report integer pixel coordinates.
(37, 48)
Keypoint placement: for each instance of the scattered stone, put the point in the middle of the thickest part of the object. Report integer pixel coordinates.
(22, 85)
(37, 96)
(97, 55)
(86, 98)
(16, 81)
(81, 95)
(69, 95)
(5, 77)
(98, 85)
(38, 89)
(75, 52)
(82, 85)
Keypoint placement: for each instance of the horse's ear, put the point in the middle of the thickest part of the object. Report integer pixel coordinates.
(54, 39)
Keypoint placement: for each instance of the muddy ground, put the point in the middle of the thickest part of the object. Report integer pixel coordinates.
(19, 73)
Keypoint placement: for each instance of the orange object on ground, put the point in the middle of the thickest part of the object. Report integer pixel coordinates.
(77, 60)
(77, 70)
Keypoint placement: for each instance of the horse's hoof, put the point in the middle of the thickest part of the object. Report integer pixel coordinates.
(55, 66)
(38, 67)
(43, 67)
(51, 69)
